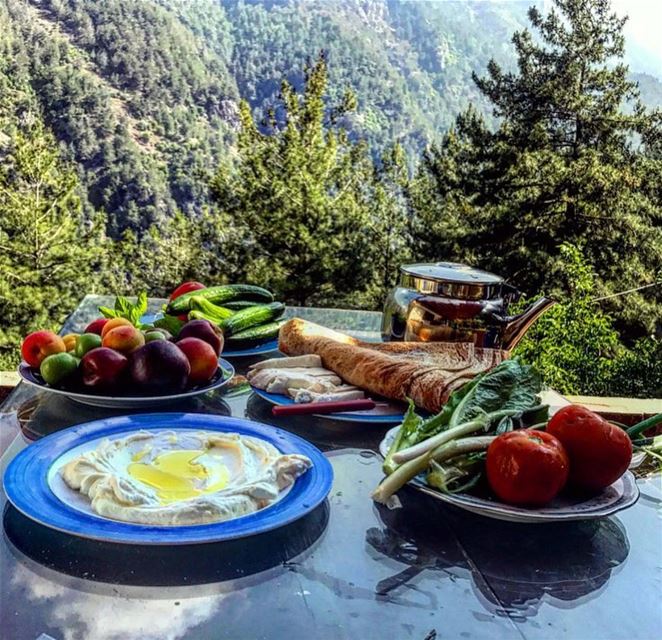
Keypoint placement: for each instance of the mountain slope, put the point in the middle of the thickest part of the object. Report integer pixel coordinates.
(138, 102)
(143, 95)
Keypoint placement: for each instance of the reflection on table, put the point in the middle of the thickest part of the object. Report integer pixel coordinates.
(350, 569)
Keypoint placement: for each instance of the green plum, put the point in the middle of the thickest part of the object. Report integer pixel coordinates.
(57, 367)
(154, 334)
(86, 342)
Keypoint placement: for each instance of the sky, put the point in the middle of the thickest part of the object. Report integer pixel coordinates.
(644, 23)
(643, 37)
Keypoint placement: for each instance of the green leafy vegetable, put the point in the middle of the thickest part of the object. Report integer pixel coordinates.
(511, 385)
(410, 469)
(498, 401)
(459, 474)
(510, 390)
(407, 436)
(170, 323)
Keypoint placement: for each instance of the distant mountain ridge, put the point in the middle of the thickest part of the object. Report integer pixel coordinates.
(143, 95)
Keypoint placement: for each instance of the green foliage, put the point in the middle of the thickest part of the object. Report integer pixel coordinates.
(574, 343)
(561, 167)
(577, 349)
(142, 106)
(143, 95)
(390, 224)
(47, 250)
(638, 372)
(205, 248)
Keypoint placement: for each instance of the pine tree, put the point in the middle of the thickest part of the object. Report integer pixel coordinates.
(303, 191)
(390, 228)
(47, 249)
(205, 247)
(573, 160)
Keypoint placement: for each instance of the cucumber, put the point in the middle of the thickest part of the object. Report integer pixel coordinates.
(261, 333)
(194, 314)
(238, 305)
(251, 317)
(220, 294)
(212, 312)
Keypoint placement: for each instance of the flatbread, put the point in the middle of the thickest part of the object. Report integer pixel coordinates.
(425, 372)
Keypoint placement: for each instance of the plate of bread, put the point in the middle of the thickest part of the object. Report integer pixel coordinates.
(322, 365)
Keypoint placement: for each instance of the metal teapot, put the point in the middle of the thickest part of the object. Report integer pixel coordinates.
(451, 302)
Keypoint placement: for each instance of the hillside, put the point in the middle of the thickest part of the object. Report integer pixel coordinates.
(143, 95)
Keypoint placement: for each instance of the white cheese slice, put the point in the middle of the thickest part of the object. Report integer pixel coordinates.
(262, 379)
(282, 383)
(303, 396)
(308, 371)
(310, 360)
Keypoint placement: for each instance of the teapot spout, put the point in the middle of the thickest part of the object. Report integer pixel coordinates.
(517, 326)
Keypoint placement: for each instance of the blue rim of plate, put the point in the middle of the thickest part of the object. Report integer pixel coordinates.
(26, 482)
(226, 369)
(349, 416)
(267, 347)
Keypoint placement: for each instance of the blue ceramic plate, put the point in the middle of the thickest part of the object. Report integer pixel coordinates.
(30, 487)
(387, 413)
(267, 347)
(222, 376)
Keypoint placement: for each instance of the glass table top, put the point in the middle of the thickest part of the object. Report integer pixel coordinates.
(349, 569)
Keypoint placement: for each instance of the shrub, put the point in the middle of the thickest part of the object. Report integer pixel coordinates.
(577, 349)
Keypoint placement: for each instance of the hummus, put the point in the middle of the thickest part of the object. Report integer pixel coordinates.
(182, 478)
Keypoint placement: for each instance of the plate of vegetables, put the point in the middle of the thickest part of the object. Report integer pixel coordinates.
(493, 451)
(247, 315)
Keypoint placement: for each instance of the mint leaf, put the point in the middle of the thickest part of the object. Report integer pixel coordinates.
(123, 307)
(126, 309)
(108, 313)
(136, 312)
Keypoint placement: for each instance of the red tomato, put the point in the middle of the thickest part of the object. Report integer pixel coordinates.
(599, 452)
(185, 287)
(526, 467)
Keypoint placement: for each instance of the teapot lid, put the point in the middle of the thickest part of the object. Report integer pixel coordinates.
(451, 272)
(452, 280)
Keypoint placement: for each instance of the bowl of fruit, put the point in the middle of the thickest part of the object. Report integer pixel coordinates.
(121, 362)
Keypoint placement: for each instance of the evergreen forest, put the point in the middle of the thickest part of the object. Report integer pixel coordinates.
(311, 147)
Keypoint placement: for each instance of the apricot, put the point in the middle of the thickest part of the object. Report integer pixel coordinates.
(123, 338)
(40, 344)
(201, 357)
(70, 341)
(112, 323)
